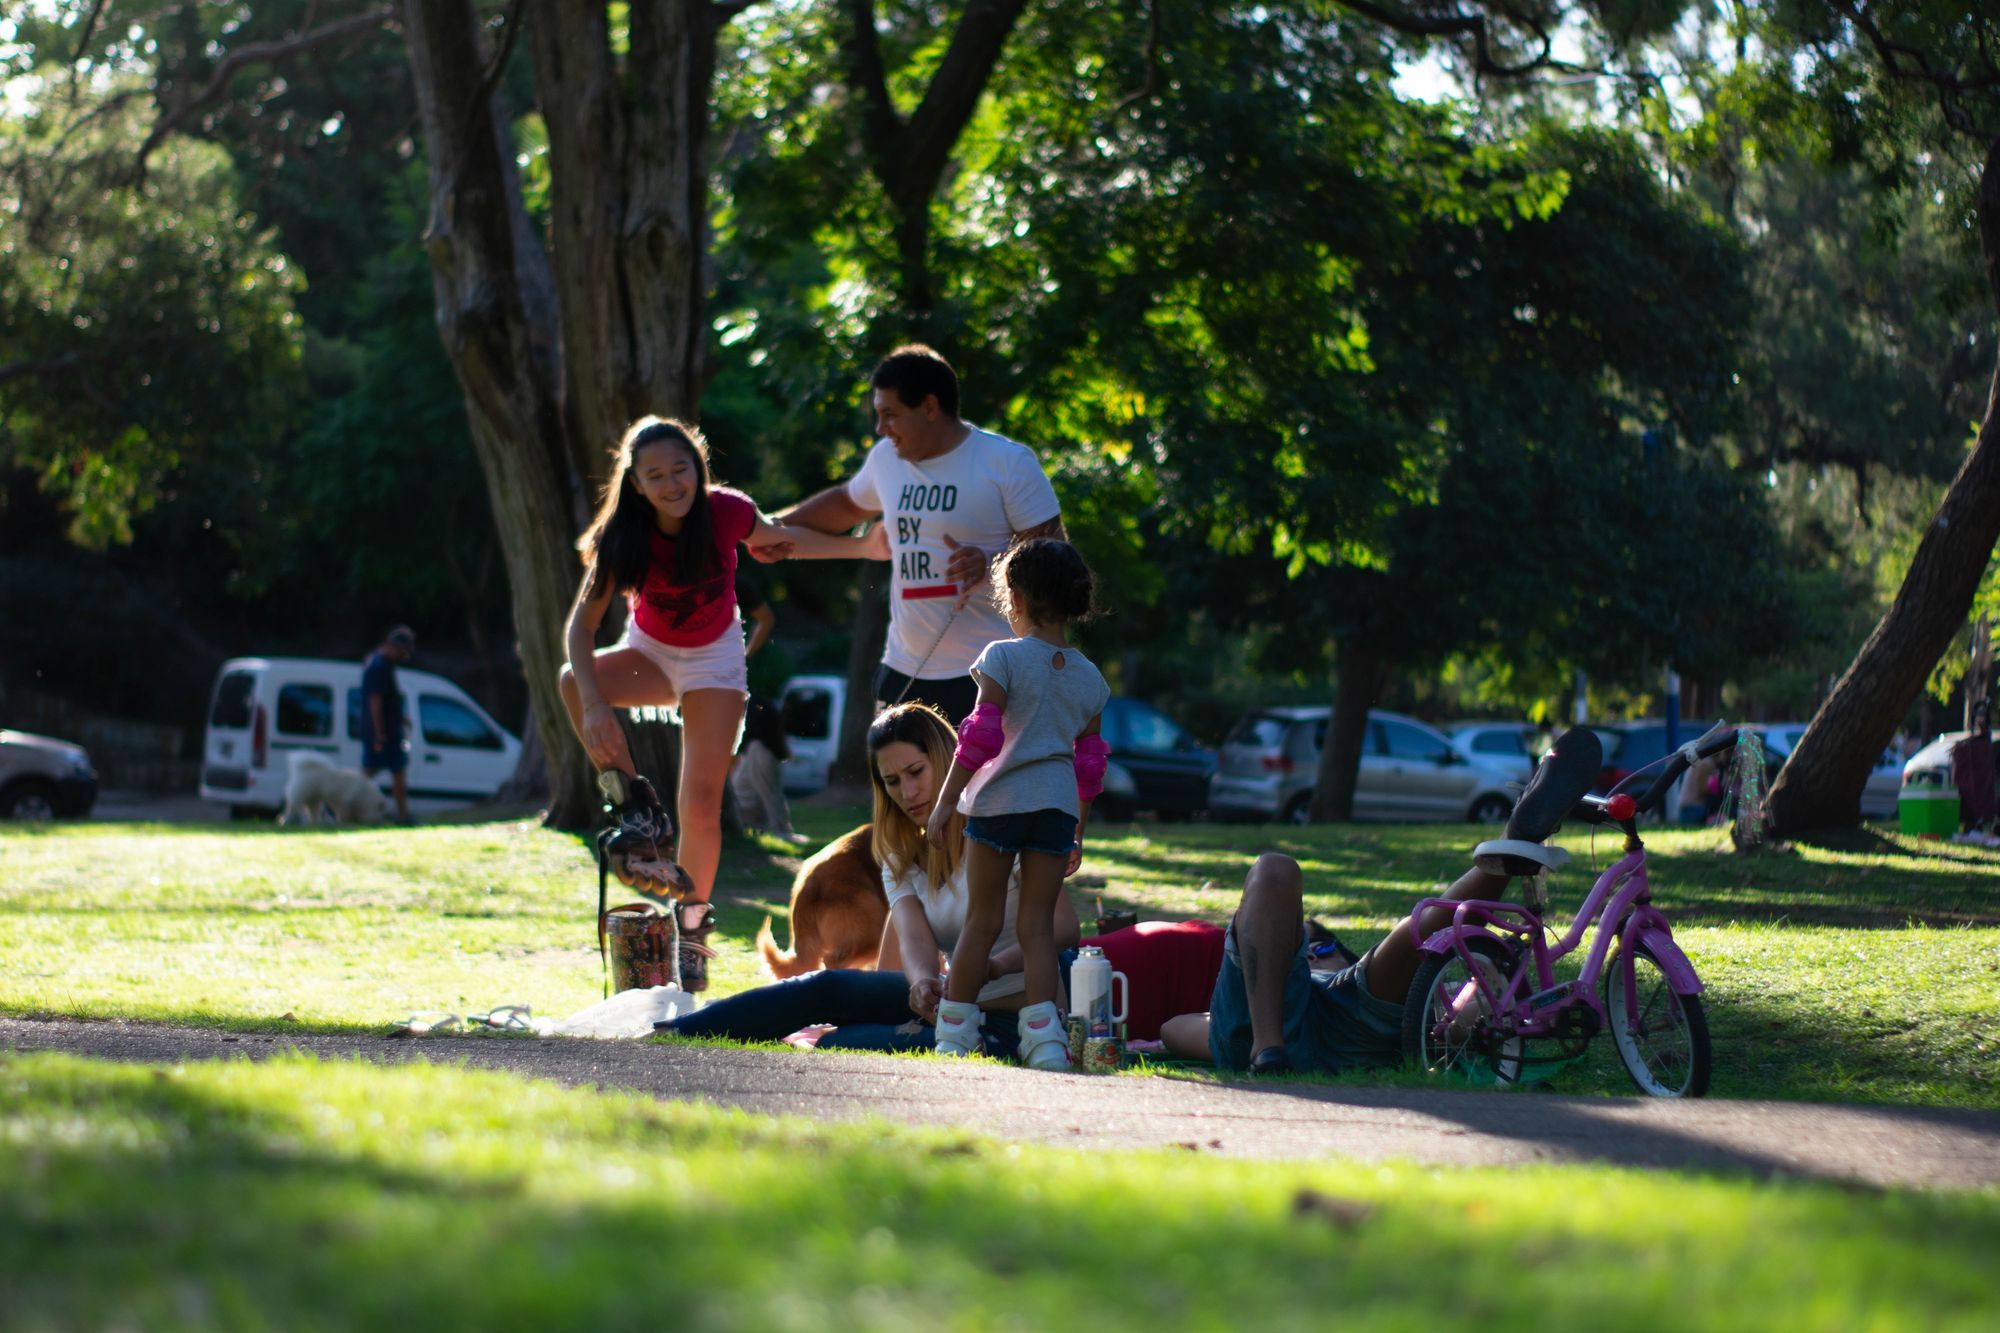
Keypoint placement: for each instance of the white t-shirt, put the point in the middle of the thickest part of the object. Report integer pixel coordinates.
(945, 910)
(980, 494)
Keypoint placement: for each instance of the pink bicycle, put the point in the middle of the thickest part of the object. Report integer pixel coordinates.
(1486, 986)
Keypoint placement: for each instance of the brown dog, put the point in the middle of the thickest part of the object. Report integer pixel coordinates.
(838, 910)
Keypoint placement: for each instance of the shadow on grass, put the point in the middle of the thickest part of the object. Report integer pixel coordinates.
(210, 1200)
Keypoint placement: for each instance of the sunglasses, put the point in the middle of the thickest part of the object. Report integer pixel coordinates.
(1324, 949)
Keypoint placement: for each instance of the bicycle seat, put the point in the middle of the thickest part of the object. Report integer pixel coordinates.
(1517, 856)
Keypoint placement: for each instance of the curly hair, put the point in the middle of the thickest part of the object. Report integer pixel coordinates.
(1046, 578)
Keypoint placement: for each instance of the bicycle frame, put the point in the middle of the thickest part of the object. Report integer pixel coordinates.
(1621, 899)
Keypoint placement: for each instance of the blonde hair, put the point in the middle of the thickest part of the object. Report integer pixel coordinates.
(898, 841)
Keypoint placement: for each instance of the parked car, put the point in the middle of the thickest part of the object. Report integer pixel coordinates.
(1885, 780)
(1409, 770)
(1639, 745)
(44, 778)
(1501, 747)
(1931, 765)
(812, 707)
(1154, 764)
(265, 708)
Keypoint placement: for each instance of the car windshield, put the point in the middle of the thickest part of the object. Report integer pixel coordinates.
(1259, 729)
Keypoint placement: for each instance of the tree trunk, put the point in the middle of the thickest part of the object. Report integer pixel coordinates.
(495, 316)
(1358, 675)
(864, 650)
(628, 215)
(1820, 786)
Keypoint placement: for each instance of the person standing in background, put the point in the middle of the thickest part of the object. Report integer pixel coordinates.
(383, 745)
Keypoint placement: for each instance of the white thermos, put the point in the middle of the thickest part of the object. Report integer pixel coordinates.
(1090, 985)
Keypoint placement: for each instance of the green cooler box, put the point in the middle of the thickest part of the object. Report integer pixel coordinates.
(1928, 811)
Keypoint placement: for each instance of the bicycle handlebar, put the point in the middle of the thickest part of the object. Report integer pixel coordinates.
(1720, 737)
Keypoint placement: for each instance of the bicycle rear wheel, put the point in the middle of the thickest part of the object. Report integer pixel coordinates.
(1447, 1019)
(1666, 1050)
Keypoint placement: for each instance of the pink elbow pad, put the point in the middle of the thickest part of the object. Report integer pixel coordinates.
(979, 737)
(1091, 752)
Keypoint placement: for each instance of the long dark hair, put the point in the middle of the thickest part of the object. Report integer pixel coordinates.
(618, 544)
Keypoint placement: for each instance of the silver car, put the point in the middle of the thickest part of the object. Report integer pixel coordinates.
(1409, 770)
(1885, 779)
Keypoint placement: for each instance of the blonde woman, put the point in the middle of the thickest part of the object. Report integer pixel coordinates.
(894, 1007)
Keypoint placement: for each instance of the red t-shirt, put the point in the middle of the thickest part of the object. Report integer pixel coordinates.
(1170, 967)
(693, 616)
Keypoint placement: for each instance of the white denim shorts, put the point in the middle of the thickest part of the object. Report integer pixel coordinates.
(712, 666)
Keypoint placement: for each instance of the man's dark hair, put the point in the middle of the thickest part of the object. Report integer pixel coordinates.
(913, 371)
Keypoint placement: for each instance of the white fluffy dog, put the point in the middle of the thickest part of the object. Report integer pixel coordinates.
(316, 786)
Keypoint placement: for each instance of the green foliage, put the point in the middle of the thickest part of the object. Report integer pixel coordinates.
(139, 330)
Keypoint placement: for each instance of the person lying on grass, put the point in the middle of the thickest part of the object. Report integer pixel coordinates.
(1273, 1012)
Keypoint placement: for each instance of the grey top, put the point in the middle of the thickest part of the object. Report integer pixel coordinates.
(1052, 694)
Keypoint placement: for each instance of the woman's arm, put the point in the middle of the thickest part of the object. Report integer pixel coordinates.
(920, 956)
(805, 543)
(599, 724)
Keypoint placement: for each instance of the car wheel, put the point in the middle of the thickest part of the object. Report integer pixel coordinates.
(30, 799)
(1112, 808)
(1299, 809)
(1491, 809)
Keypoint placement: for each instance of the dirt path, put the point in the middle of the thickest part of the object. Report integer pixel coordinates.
(1871, 1145)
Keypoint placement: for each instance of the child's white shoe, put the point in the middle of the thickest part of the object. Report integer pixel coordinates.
(958, 1023)
(1044, 1039)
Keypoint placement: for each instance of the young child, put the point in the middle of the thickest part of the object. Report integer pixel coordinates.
(665, 536)
(1029, 762)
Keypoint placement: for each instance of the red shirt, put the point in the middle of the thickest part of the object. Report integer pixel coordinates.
(1170, 967)
(695, 615)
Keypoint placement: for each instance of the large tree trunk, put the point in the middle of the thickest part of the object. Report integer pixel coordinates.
(1358, 675)
(495, 315)
(1820, 786)
(864, 650)
(629, 219)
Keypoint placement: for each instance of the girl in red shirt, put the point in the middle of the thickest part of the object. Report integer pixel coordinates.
(665, 536)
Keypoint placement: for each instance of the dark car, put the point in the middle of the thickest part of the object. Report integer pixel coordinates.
(1155, 765)
(1641, 745)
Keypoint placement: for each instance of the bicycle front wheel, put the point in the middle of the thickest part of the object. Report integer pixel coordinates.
(1663, 1038)
(1448, 1023)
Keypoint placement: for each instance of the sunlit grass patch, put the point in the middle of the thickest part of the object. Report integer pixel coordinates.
(1863, 967)
(301, 1193)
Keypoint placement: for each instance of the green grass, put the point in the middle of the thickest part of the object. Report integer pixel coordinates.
(1862, 968)
(301, 1194)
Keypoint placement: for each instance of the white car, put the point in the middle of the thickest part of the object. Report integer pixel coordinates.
(1885, 780)
(812, 708)
(44, 778)
(265, 708)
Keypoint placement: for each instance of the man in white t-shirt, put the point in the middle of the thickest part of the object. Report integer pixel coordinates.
(952, 497)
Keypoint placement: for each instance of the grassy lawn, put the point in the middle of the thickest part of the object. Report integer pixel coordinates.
(1864, 969)
(302, 1194)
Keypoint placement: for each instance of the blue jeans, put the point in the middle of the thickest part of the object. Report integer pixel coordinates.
(870, 1010)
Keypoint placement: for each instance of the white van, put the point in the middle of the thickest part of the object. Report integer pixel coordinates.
(264, 708)
(812, 707)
